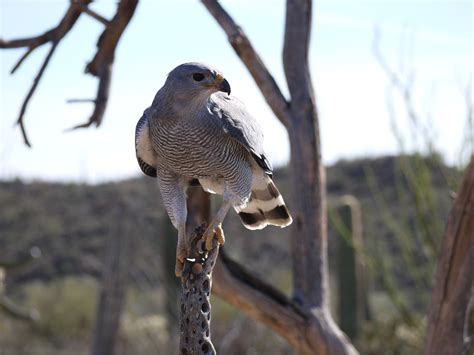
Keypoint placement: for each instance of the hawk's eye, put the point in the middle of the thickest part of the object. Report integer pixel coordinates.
(198, 76)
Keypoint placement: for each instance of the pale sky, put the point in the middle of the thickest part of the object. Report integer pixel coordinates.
(434, 39)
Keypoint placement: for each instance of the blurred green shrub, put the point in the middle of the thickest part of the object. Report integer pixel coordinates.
(67, 306)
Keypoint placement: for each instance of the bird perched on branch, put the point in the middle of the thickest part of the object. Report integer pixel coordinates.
(195, 131)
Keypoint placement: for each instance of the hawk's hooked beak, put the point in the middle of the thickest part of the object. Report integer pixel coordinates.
(222, 84)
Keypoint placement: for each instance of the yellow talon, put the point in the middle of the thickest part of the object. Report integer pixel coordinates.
(220, 234)
(181, 254)
(210, 234)
(178, 268)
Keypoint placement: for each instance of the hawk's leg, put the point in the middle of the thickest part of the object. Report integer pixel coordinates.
(182, 251)
(215, 227)
(174, 200)
(237, 190)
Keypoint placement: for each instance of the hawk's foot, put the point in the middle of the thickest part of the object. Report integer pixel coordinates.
(181, 255)
(212, 233)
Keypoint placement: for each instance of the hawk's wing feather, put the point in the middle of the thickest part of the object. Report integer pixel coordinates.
(146, 156)
(241, 126)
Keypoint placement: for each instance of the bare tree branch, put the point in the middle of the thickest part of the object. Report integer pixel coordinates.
(22, 58)
(76, 101)
(101, 64)
(261, 301)
(454, 275)
(102, 97)
(54, 36)
(251, 59)
(85, 9)
(36, 81)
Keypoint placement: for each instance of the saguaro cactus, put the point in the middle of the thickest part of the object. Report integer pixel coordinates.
(351, 271)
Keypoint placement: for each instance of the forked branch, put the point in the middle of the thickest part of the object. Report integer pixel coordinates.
(54, 36)
(101, 64)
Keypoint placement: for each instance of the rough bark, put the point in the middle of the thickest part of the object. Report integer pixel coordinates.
(309, 249)
(454, 275)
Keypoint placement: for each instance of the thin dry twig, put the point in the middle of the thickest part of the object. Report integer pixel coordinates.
(100, 102)
(20, 61)
(20, 120)
(75, 101)
(85, 9)
(252, 60)
(100, 66)
(54, 36)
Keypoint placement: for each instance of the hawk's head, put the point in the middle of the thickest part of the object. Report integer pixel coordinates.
(196, 79)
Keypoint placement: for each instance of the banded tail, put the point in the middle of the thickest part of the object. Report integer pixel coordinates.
(265, 206)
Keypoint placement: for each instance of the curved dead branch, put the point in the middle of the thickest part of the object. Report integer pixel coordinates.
(252, 60)
(306, 331)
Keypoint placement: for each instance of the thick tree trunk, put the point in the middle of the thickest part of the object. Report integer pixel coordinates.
(454, 276)
(311, 329)
(309, 242)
